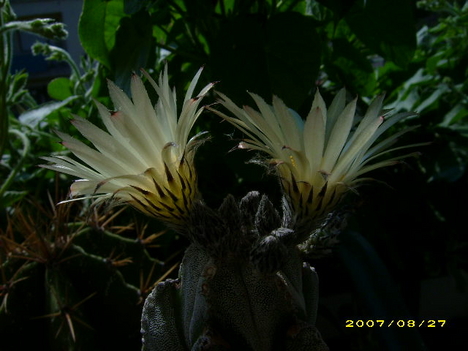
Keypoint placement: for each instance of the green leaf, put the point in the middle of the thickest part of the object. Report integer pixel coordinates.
(378, 291)
(133, 6)
(448, 159)
(456, 114)
(98, 25)
(339, 7)
(351, 68)
(133, 46)
(60, 88)
(9, 198)
(32, 118)
(433, 100)
(238, 58)
(293, 56)
(387, 27)
(258, 55)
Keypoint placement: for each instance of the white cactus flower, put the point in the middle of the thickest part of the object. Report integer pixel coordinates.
(145, 158)
(318, 160)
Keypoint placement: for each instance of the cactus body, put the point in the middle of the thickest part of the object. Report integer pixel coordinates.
(242, 286)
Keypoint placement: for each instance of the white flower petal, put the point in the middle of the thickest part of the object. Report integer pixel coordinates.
(144, 158)
(290, 126)
(338, 136)
(121, 101)
(318, 160)
(108, 145)
(314, 140)
(336, 108)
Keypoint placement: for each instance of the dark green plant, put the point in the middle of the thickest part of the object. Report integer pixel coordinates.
(14, 97)
(73, 284)
(414, 52)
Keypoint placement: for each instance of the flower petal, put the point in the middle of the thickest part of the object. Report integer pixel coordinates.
(145, 158)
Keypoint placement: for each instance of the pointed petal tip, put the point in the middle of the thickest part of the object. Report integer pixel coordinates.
(209, 106)
(242, 146)
(169, 144)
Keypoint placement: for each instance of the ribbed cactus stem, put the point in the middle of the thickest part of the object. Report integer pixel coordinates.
(242, 286)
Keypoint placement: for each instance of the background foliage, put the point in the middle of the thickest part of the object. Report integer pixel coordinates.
(402, 234)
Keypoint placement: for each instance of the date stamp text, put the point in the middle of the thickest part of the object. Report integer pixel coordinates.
(395, 323)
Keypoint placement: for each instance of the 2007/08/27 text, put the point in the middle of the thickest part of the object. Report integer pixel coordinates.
(399, 323)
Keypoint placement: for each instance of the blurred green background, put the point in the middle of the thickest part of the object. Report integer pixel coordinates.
(73, 278)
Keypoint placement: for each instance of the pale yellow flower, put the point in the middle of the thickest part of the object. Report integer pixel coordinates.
(145, 158)
(318, 160)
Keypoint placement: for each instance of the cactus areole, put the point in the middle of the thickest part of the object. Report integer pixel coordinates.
(242, 285)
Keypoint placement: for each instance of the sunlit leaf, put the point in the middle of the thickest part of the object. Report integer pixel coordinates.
(32, 118)
(60, 88)
(98, 25)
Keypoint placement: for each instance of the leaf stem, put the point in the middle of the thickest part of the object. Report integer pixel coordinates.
(5, 55)
(24, 154)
